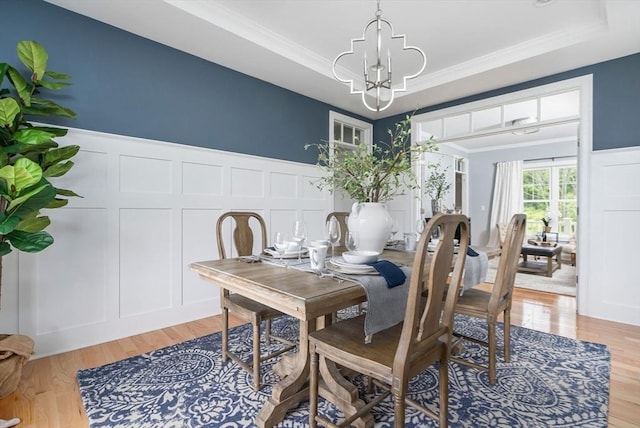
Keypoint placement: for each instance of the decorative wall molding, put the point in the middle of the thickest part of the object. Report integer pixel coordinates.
(118, 266)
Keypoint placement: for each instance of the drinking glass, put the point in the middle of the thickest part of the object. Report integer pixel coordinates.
(280, 243)
(435, 235)
(351, 241)
(394, 229)
(299, 235)
(420, 225)
(334, 234)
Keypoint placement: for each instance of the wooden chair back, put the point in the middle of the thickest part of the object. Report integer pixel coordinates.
(342, 220)
(430, 276)
(243, 236)
(508, 265)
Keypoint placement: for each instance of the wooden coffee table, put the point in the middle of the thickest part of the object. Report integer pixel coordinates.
(552, 263)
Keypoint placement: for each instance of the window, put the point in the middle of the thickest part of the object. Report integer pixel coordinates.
(551, 191)
(348, 132)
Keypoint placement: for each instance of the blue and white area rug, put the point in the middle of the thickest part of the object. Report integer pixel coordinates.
(551, 381)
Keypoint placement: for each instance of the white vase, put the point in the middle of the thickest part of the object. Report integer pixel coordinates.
(371, 223)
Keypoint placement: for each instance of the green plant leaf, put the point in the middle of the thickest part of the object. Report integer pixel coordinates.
(5, 248)
(53, 85)
(22, 87)
(30, 242)
(26, 149)
(35, 201)
(9, 109)
(27, 173)
(68, 193)
(58, 169)
(4, 159)
(8, 223)
(63, 153)
(58, 132)
(4, 67)
(42, 107)
(57, 203)
(35, 224)
(57, 76)
(32, 136)
(34, 57)
(22, 198)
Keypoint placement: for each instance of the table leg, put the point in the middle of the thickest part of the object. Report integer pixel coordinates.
(335, 388)
(550, 266)
(293, 387)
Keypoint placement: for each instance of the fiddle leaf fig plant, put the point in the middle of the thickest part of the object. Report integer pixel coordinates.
(29, 156)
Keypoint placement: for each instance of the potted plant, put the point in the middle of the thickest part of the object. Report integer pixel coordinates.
(437, 185)
(372, 176)
(547, 223)
(29, 158)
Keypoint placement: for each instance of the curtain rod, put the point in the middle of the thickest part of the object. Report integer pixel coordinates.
(551, 158)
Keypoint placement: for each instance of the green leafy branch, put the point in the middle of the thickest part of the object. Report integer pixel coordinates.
(372, 175)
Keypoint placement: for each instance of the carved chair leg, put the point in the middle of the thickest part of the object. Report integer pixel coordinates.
(507, 335)
(225, 333)
(444, 390)
(267, 332)
(398, 406)
(492, 351)
(313, 388)
(256, 354)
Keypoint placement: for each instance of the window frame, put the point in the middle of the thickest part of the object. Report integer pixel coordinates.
(366, 127)
(554, 200)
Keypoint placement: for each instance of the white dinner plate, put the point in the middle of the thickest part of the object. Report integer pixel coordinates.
(342, 262)
(287, 254)
(355, 270)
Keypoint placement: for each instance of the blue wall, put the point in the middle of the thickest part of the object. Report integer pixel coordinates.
(616, 102)
(128, 85)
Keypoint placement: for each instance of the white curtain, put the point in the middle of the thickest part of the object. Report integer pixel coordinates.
(507, 197)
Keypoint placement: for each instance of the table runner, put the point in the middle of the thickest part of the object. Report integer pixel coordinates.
(385, 306)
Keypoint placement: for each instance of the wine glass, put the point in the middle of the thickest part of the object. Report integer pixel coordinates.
(351, 241)
(394, 229)
(333, 233)
(435, 235)
(299, 235)
(420, 225)
(280, 243)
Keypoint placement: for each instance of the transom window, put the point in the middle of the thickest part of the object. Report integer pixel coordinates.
(347, 132)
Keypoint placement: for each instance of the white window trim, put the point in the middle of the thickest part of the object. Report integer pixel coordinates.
(554, 191)
(366, 126)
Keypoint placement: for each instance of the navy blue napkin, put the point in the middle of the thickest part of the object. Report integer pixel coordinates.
(471, 252)
(390, 272)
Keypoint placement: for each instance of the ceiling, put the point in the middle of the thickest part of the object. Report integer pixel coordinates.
(471, 45)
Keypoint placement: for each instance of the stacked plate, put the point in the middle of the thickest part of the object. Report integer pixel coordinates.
(287, 254)
(340, 265)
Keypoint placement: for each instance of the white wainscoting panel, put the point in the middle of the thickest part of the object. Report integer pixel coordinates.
(63, 282)
(145, 175)
(199, 243)
(200, 179)
(119, 264)
(609, 284)
(146, 247)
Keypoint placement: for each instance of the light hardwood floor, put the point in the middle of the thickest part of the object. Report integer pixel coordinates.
(48, 394)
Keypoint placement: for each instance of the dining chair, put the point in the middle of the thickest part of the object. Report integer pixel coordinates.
(248, 309)
(403, 351)
(342, 220)
(490, 304)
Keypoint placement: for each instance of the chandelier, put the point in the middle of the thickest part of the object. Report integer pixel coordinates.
(377, 80)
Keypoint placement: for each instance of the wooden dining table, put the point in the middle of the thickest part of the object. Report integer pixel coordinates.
(310, 299)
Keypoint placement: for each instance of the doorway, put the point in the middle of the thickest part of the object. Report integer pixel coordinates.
(478, 131)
